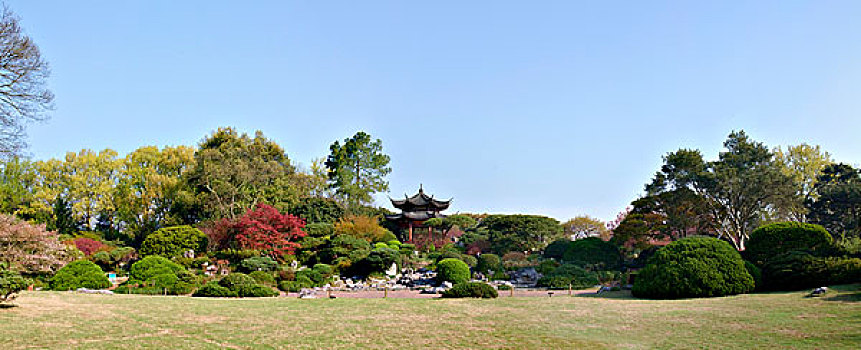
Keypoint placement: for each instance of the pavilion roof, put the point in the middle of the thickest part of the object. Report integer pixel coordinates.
(420, 201)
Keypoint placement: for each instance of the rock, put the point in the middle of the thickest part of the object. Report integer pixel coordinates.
(94, 291)
(818, 291)
(446, 285)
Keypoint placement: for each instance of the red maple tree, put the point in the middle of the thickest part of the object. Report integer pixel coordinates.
(88, 245)
(265, 229)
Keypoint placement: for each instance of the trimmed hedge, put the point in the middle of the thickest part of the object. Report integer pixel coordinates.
(800, 270)
(693, 267)
(568, 274)
(151, 266)
(769, 241)
(80, 274)
(258, 263)
(214, 290)
(593, 251)
(263, 277)
(471, 290)
(452, 270)
(173, 241)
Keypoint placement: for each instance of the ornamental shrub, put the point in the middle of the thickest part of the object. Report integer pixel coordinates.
(488, 262)
(547, 266)
(693, 267)
(315, 277)
(235, 256)
(255, 291)
(769, 241)
(258, 263)
(213, 289)
(471, 290)
(80, 274)
(263, 277)
(593, 251)
(568, 274)
(151, 266)
(173, 241)
(452, 270)
(388, 237)
(754, 272)
(799, 270)
(11, 283)
(236, 279)
(557, 249)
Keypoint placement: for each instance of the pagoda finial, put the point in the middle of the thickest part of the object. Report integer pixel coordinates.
(421, 188)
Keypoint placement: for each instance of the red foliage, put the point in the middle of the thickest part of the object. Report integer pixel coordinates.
(87, 245)
(269, 231)
(479, 246)
(221, 233)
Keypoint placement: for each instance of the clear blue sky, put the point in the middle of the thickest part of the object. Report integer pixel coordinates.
(558, 108)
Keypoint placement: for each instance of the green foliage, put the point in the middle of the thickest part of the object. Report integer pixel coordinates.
(80, 274)
(520, 232)
(693, 267)
(503, 287)
(234, 280)
(235, 256)
(357, 169)
(324, 270)
(452, 270)
(263, 277)
(317, 211)
(557, 248)
(547, 266)
(214, 290)
(173, 241)
(754, 272)
(471, 290)
(11, 283)
(838, 187)
(319, 229)
(258, 263)
(488, 262)
(593, 251)
(295, 286)
(568, 275)
(769, 241)
(346, 246)
(315, 277)
(151, 266)
(799, 270)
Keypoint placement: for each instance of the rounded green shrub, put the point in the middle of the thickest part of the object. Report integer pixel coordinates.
(255, 291)
(173, 241)
(488, 262)
(213, 289)
(799, 270)
(754, 272)
(11, 282)
(769, 241)
(315, 277)
(164, 280)
(593, 251)
(568, 275)
(80, 274)
(258, 263)
(471, 290)
(151, 266)
(452, 270)
(263, 277)
(234, 280)
(324, 269)
(693, 267)
(387, 237)
(556, 249)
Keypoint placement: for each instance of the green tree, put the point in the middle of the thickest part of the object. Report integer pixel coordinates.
(24, 95)
(357, 169)
(804, 163)
(520, 232)
(584, 226)
(172, 241)
(837, 205)
(17, 178)
(233, 172)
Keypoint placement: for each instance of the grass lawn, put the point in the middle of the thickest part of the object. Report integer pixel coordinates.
(776, 320)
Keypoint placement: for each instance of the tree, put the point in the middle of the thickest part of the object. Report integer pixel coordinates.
(11, 282)
(357, 169)
(364, 227)
(233, 172)
(24, 95)
(149, 187)
(17, 177)
(837, 205)
(30, 249)
(172, 241)
(520, 232)
(584, 226)
(318, 210)
(673, 199)
(269, 231)
(804, 163)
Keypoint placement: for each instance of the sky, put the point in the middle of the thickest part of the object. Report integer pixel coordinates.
(553, 108)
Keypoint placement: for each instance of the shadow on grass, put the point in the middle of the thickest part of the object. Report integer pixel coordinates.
(622, 294)
(848, 293)
(7, 306)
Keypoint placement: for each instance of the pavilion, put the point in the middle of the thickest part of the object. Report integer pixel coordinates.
(416, 210)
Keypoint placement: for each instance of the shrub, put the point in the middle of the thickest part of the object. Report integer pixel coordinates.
(213, 289)
(503, 287)
(234, 280)
(800, 270)
(593, 251)
(452, 270)
(488, 262)
(235, 256)
(258, 263)
(88, 246)
(263, 277)
(693, 267)
(173, 241)
(315, 277)
(546, 266)
(304, 281)
(255, 291)
(80, 274)
(568, 275)
(324, 270)
(152, 265)
(11, 283)
(319, 230)
(471, 290)
(769, 241)
(557, 249)
(164, 280)
(388, 236)
(754, 272)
